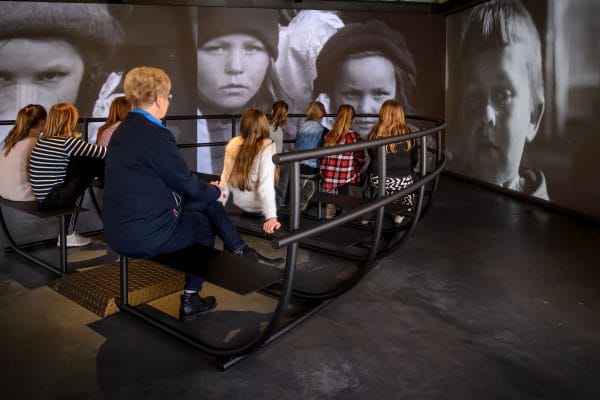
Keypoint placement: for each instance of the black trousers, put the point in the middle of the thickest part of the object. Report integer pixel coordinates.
(81, 171)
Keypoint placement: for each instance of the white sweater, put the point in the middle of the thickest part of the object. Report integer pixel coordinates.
(261, 198)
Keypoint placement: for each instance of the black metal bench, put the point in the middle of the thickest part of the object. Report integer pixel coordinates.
(32, 208)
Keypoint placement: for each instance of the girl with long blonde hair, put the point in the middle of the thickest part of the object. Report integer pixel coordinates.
(248, 171)
(400, 157)
(14, 159)
(339, 171)
(62, 166)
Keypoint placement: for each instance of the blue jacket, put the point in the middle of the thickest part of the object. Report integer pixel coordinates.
(145, 182)
(310, 136)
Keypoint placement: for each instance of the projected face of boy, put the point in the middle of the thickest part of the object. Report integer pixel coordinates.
(231, 69)
(498, 116)
(364, 83)
(38, 71)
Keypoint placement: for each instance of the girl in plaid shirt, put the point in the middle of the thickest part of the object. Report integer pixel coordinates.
(339, 171)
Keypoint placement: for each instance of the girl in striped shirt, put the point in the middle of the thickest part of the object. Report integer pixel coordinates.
(62, 166)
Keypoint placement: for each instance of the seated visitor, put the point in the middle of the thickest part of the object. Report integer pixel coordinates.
(399, 157)
(277, 132)
(249, 172)
(14, 159)
(339, 171)
(153, 203)
(310, 136)
(62, 166)
(119, 108)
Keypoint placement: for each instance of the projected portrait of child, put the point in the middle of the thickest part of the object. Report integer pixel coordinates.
(236, 54)
(363, 65)
(51, 53)
(501, 96)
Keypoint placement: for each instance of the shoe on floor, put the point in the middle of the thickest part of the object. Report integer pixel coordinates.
(192, 305)
(75, 240)
(254, 255)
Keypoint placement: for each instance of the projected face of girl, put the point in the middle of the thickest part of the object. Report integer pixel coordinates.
(38, 71)
(231, 69)
(364, 83)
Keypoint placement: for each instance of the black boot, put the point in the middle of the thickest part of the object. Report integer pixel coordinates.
(254, 255)
(192, 305)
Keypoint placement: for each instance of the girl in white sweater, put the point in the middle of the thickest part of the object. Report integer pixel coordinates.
(248, 172)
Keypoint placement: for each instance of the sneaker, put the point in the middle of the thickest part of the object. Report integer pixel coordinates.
(192, 305)
(306, 193)
(75, 240)
(398, 219)
(254, 255)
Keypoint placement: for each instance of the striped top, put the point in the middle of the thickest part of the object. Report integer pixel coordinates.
(50, 158)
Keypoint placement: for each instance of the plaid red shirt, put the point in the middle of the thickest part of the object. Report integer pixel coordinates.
(339, 169)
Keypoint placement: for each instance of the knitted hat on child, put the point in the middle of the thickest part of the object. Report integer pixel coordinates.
(88, 23)
(357, 38)
(258, 22)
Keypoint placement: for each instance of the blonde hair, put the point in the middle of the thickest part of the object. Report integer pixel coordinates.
(28, 118)
(341, 126)
(144, 84)
(61, 122)
(118, 110)
(315, 111)
(391, 122)
(254, 129)
(279, 114)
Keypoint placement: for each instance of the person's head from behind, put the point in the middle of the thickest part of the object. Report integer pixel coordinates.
(61, 121)
(148, 88)
(315, 111)
(254, 128)
(341, 126)
(236, 52)
(391, 122)
(119, 108)
(30, 122)
(501, 88)
(363, 65)
(279, 113)
(49, 52)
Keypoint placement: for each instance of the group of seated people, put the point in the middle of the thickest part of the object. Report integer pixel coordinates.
(153, 204)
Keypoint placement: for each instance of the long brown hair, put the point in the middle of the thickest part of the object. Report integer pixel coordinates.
(279, 114)
(118, 110)
(254, 129)
(61, 122)
(28, 118)
(391, 122)
(341, 126)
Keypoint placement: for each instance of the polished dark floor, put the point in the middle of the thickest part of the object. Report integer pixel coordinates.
(492, 298)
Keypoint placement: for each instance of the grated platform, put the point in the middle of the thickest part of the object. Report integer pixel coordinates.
(97, 288)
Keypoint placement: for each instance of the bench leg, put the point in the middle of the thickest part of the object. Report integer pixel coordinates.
(63, 245)
(124, 301)
(17, 249)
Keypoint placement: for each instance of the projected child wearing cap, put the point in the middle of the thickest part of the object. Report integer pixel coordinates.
(237, 49)
(49, 52)
(362, 65)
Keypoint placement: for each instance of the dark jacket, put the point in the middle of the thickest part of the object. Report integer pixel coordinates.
(146, 180)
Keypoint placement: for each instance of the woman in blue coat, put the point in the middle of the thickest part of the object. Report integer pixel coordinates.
(153, 203)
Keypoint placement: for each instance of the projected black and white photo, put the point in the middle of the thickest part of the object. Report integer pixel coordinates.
(363, 65)
(51, 54)
(514, 69)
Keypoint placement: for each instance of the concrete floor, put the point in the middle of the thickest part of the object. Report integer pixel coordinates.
(492, 298)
